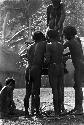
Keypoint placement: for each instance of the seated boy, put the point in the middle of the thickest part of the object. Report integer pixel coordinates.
(7, 105)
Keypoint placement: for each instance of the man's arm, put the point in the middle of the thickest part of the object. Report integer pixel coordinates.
(66, 44)
(62, 18)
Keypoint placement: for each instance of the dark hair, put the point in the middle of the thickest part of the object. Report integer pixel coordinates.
(53, 34)
(69, 32)
(10, 81)
(38, 36)
(55, 1)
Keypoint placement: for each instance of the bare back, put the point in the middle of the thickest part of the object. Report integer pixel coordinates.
(54, 52)
(39, 53)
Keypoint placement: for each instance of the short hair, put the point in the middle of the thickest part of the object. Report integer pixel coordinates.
(69, 32)
(10, 81)
(38, 36)
(53, 1)
(53, 34)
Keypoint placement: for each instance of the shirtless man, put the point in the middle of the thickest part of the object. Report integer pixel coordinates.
(56, 15)
(76, 52)
(35, 56)
(54, 58)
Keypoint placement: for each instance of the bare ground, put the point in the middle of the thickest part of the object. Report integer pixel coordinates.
(46, 105)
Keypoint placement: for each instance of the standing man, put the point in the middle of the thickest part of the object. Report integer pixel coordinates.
(29, 56)
(35, 55)
(56, 15)
(76, 52)
(55, 19)
(36, 69)
(54, 58)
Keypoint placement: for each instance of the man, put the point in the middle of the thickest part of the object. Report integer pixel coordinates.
(76, 52)
(7, 105)
(35, 55)
(56, 15)
(29, 56)
(54, 57)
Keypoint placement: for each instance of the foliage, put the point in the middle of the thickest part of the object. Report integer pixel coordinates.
(19, 12)
(15, 16)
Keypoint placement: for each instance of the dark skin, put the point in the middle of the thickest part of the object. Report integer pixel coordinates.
(7, 103)
(54, 55)
(76, 52)
(52, 15)
(36, 71)
(75, 49)
(35, 57)
(29, 56)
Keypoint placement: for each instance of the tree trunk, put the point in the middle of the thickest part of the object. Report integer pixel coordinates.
(5, 27)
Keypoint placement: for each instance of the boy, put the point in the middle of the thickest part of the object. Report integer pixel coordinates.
(54, 58)
(56, 15)
(76, 52)
(35, 56)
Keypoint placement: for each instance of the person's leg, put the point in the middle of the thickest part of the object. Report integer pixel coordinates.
(28, 91)
(37, 101)
(78, 109)
(27, 96)
(32, 103)
(60, 94)
(36, 87)
(78, 90)
(53, 71)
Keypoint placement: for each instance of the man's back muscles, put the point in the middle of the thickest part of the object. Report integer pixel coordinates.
(39, 53)
(54, 52)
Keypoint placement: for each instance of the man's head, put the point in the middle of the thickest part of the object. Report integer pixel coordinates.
(69, 32)
(38, 36)
(56, 2)
(10, 82)
(53, 34)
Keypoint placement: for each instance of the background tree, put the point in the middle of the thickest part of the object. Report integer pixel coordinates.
(15, 16)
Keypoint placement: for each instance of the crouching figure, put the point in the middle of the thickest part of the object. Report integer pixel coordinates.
(7, 105)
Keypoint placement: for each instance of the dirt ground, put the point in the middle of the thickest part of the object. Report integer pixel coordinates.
(46, 106)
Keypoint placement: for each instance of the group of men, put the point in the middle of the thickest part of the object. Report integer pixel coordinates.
(50, 49)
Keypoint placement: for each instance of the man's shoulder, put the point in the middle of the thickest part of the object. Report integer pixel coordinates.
(50, 7)
(49, 44)
(62, 5)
